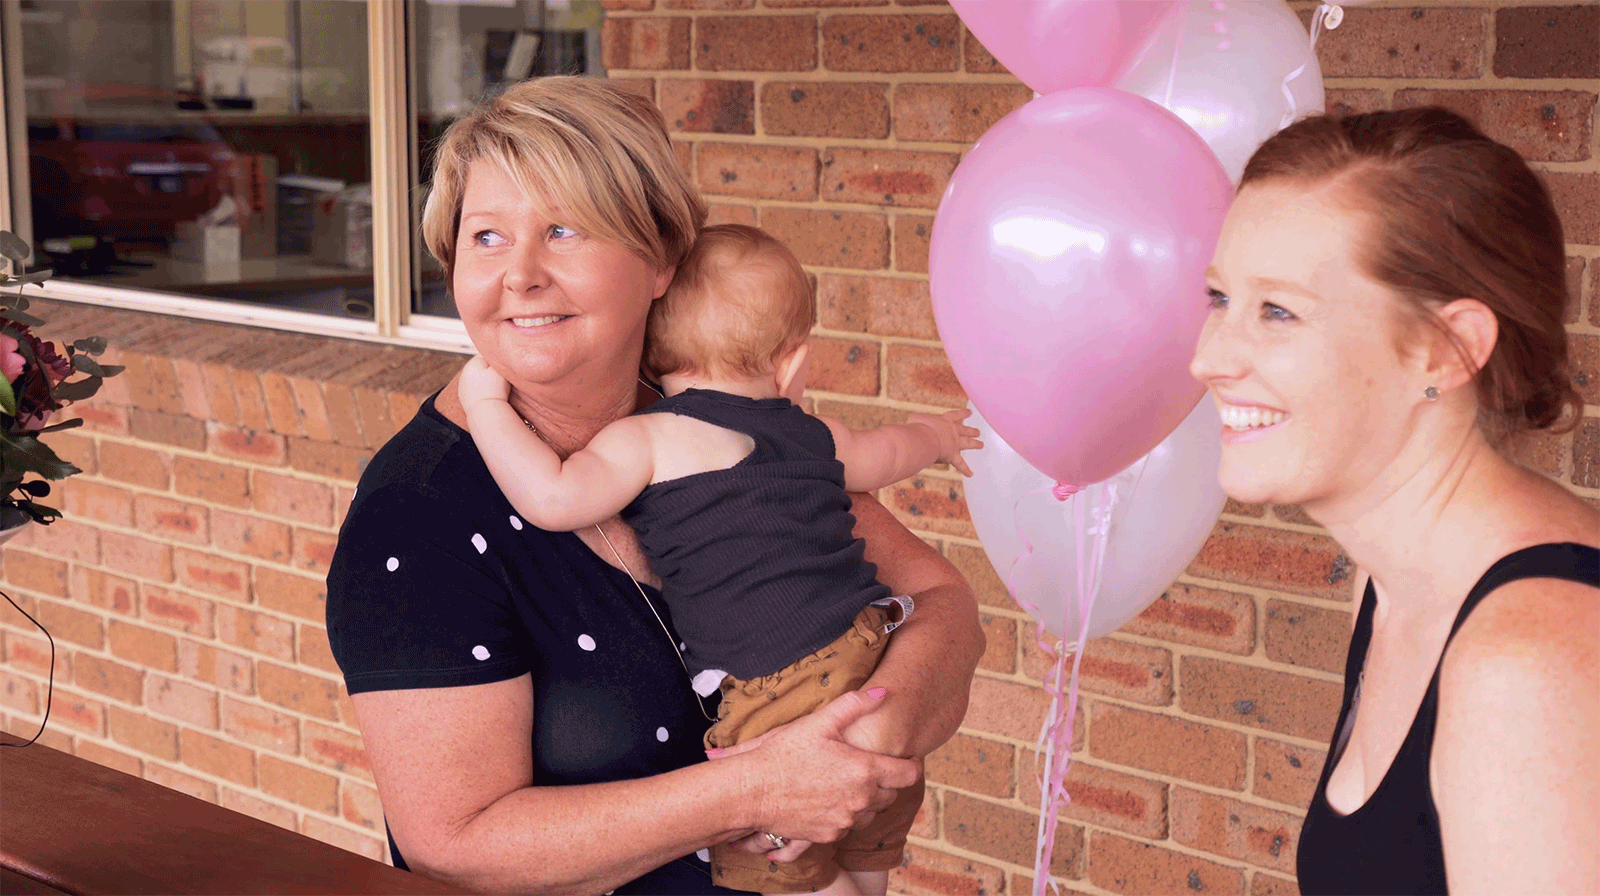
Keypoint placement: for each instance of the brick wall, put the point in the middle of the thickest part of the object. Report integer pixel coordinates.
(184, 589)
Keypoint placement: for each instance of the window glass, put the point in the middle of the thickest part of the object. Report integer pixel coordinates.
(215, 148)
(462, 52)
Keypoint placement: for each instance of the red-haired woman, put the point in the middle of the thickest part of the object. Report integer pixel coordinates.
(1388, 296)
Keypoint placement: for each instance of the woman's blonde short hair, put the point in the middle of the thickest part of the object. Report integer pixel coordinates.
(597, 154)
(739, 302)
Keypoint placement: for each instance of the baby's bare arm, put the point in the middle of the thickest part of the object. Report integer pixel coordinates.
(878, 457)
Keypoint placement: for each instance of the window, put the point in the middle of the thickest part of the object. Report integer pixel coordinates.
(257, 160)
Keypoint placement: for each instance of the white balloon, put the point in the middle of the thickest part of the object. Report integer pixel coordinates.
(1236, 71)
(1167, 504)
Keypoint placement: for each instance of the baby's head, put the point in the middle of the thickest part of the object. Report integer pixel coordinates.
(738, 304)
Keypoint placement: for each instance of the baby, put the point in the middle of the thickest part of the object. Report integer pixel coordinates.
(739, 499)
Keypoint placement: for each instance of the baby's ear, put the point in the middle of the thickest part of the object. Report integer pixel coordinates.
(790, 372)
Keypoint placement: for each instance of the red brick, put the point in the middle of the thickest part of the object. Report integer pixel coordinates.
(174, 609)
(139, 558)
(83, 498)
(143, 646)
(1575, 265)
(1294, 513)
(926, 822)
(344, 838)
(1008, 834)
(343, 415)
(976, 57)
(1541, 125)
(103, 417)
(260, 727)
(252, 536)
(72, 625)
(1540, 450)
(28, 571)
(171, 520)
(730, 213)
(1547, 42)
(1193, 751)
(337, 749)
(217, 757)
(1000, 643)
(79, 450)
(22, 695)
(282, 412)
(64, 538)
(1110, 667)
(757, 172)
(1294, 562)
(256, 807)
(358, 804)
(192, 388)
(1235, 829)
(930, 504)
(645, 43)
(314, 421)
(975, 763)
(1405, 43)
(151, 382)
(1355, 101)
(226, 669)
(33, 655)
(709, 4)
(166, 429)
(1584, 359)
(110, 758)
(841, 365)
(296, 595)
(923, 376)
(756, 43)
(887, 177)
(883, 306)
(1263, 884)
(911, 236)
(1286, 773)
(1101, 797)
(110, 678)
(832, 239)
(299, 784)
(218, 384)
(143, 733)
(212, 482)
(209, 574)
(181, 700)
(974, 566)
(136, 465)
(824, 109)
(245, 445)
(313, 550)
(891, 43)
(250, 400)
(298, 691)
(328, 459)
(708, 106)
(1304, 635)
(1262, 698)
(78, 712)
(1586, 454)
(314, 651)
(953, 113)
(926, 872)
(256, 632)
(1006, 708)
(1128, 866)
(1202, 617)
(199, 788)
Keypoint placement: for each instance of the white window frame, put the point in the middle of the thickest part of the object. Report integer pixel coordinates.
(392, 119)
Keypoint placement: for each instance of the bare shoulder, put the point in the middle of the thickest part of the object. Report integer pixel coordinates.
(1538, 635)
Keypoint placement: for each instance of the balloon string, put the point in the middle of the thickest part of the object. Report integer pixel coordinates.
(1316, 23)
(1177, 48)
(1293, 110)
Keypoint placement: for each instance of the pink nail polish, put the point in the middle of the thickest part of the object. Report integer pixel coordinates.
(714, 751)
(877, 693)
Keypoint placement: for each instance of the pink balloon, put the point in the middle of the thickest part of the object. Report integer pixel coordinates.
(1066, 268)
(1052, 45)
(1166, 506)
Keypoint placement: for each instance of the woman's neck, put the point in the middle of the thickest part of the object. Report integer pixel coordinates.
(568, 414)
(1428, 525)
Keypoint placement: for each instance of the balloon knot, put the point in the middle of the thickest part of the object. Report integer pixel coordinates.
(1064, 490)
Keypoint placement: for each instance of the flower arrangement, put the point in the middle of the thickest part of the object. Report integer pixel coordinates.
(36, 381)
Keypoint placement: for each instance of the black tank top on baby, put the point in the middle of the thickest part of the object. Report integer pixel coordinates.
(759, 563)
(1391, 844)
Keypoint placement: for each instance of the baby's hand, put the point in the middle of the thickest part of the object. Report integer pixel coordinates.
(953, 434)
(480, 382)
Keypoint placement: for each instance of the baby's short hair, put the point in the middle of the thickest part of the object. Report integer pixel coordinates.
(738, 303)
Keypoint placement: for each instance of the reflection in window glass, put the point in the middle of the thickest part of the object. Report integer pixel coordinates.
(206, 147)
(463, 51)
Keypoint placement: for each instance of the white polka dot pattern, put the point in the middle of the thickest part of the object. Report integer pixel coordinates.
(479, 542)
(703, 855)
(480, 653)
(393, 564)
(586, 642)
(661, 735)
(516, 524)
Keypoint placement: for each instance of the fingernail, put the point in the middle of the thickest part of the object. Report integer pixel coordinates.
(877, 693)
(714, 751)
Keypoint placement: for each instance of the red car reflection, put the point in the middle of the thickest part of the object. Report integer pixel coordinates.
(124, 163)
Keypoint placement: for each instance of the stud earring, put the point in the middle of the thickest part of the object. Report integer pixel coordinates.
(1431, 393)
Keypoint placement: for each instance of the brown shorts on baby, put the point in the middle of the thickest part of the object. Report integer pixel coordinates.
(751, 708)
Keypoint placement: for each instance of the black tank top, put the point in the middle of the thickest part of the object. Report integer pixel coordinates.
(759, 563)
(1391, 844)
